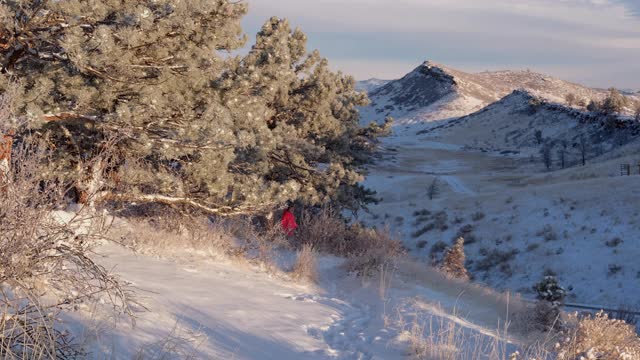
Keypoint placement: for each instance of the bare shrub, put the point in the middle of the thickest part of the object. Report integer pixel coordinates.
(434, 221)
(227, 238)
(547, 233)
(546, 155)
(423, 230)
(599, 337)
(305, 267)
(28, 333)
(437, 248)
(615, 242)
(423, 212)
(373, 249)
(325, 231)
(366, 249)
(266, 243)
(544, 317)
(496, 258)
(614, 269)
(533, 247)
(466, 232)
(625, 313)
(477, 216)
(46, 251)
(440, 220)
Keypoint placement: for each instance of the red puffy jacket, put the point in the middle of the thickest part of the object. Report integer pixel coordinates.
(288, 222)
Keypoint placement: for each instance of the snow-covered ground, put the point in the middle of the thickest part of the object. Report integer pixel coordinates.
(219, 309)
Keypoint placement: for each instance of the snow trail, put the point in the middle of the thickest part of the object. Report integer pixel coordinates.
(235, 312)
(457, 185)
(225, 310)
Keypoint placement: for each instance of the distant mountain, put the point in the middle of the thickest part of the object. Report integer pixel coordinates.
(371, 84)
(630, 92)
(433, 91)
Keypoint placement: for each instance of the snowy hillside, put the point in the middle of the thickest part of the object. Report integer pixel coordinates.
(521, 220)
(521, 123)
(433, 91)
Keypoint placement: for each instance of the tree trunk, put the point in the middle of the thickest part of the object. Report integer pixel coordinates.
(6, 145)
(224, 211)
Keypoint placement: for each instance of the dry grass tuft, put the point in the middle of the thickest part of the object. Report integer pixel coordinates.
(438, 338)
(305, 268)
(599, 337)
(179, 235)
(237, 239)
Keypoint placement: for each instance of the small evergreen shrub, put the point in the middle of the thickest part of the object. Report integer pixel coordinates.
(453, 262)
(550, 290)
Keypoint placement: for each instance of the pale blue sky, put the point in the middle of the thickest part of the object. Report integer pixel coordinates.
(594, 42)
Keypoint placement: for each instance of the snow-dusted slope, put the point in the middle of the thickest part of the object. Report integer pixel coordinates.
(433, 91)
(510, 126)
(521, 220)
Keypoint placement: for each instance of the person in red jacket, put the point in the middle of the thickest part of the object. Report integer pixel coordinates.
(288, 221)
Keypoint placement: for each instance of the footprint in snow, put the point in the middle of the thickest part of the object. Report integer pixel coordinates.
(346, 336)
(303, 297)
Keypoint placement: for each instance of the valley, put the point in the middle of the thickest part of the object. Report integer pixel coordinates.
(521, 221)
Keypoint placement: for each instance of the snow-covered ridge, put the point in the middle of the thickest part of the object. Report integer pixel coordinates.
(371, 84)
(458, 93)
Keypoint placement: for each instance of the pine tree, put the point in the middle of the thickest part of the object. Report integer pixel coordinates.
(546, 155)
(184, 124)
(550, 290)
(614, 102)
(454, 259)
(571, 99)
(311, 122)
(538, 136)
(140, 71)
(593, 106)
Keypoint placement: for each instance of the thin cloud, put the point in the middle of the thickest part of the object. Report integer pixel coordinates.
(633, 6)
(380, 38)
